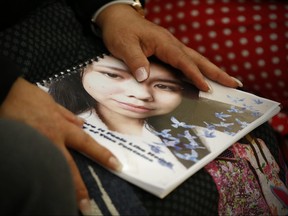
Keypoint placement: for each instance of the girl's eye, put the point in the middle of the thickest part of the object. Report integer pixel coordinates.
(161, 86)
(111, 75)
(172, 88)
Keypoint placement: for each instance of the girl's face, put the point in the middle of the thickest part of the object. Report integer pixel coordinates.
(111, 84)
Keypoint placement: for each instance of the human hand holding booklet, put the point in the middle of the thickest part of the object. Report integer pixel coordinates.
(162, 130)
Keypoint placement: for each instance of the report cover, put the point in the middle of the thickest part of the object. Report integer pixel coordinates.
(162, 130)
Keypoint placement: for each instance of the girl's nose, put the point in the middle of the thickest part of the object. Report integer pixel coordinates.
(139, 91)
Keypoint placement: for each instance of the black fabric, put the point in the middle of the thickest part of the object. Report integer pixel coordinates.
(35, 177)
(16, 10)
(196, 196)
(14, 72)
(86, 8)
(48, 41)
(269, 136)
(106, 187)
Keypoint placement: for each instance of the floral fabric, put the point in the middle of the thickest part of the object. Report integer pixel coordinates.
(247, 179)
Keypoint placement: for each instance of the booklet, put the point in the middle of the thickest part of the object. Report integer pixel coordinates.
(162, 130)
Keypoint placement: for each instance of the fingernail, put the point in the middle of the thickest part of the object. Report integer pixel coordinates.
(85, 207)
(141, 74)
(82, 120)
(210, 88)
(115, 163)
(240, 84)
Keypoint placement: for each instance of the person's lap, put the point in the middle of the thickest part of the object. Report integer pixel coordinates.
(197, 195)
(35, 177)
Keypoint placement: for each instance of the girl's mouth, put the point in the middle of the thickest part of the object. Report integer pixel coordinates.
(134, 108)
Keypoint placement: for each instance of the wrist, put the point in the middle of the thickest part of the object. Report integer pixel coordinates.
(118, 9)
(135, 4)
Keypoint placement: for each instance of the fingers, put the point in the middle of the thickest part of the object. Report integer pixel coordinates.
(81, 191)
(139, 67)
(82, 194)
(80, 141)
(124, 36)
(133, 39)
(134, 58)
(178, 56)
(211, 71)
(195, 66)
(69, 116)
(61, 126)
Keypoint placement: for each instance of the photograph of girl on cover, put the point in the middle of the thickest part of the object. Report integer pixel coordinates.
(106, 95)
(163, 116)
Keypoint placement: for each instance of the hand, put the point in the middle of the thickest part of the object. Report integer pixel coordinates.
(29, 104)
(132, 38)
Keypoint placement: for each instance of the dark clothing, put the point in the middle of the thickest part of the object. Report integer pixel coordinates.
(35, 178)
(53, 37)
(17, 10)
(32, 36)
(11, 72)
(31, 32)
(37, 39)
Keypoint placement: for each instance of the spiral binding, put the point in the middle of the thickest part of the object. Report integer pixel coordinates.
(75, 69)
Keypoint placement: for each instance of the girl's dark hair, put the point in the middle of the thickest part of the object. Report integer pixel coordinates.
(70, 93)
